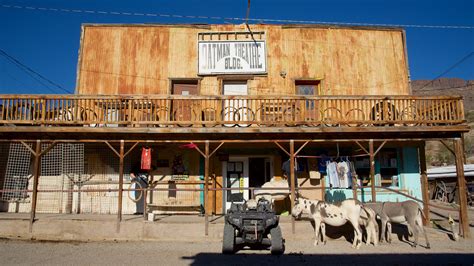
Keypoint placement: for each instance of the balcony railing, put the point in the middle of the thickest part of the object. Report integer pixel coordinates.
(229, 111)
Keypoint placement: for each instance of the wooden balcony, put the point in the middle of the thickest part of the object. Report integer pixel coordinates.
(231, 114)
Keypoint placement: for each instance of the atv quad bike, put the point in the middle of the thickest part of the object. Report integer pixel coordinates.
(252, 224)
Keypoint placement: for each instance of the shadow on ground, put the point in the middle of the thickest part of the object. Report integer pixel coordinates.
(346, 231)
(331, 259)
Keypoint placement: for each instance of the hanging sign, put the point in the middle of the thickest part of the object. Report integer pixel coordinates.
(146, 159)
(232, 57)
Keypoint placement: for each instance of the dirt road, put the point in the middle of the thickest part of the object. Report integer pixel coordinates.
(183, 253)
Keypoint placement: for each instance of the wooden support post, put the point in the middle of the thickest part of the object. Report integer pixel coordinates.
(145, 203)
(36, 173)
(463, 218)
(372, 170)
(464, 155)
(292, 182)
(120, 190)
(214, 195)
(206, 188)
(424, 184)
(354, 186)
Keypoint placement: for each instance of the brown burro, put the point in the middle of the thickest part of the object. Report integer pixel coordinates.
(408, 212)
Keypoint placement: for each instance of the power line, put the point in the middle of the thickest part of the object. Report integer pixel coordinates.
(235, 18)
(446, 88)
(14, 78)
(31, 72)
(449, 69)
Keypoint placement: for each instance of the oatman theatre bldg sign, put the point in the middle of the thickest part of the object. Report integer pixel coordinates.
(232, 57)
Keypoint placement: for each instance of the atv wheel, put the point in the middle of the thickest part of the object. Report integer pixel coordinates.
(277, 247)
(228, 243)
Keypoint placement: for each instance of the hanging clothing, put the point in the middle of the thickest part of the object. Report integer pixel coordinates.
(286, 170)
(354, 173)
(146, 159)
(343, 174)
(350, 174)
(333, 177)
(322, 165)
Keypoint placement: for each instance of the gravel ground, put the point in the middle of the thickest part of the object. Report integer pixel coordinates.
(184, 253)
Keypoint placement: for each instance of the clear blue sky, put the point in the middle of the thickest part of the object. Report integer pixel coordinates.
(48, 41)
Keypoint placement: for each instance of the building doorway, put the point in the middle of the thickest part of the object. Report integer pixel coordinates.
(241, 172)
(182, 109)
(260, 171)
(236, 176)
(235, 109)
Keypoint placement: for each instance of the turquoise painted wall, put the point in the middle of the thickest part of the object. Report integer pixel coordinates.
(409, 181)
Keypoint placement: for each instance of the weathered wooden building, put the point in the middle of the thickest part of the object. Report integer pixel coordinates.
(225, 106)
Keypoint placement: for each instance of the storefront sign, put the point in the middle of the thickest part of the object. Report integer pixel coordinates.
(232, 57)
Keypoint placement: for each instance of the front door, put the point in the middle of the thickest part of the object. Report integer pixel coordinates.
(235, 109)
(182, 110)
(235, 173)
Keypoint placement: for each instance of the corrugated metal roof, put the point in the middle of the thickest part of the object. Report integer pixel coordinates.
(449, 171)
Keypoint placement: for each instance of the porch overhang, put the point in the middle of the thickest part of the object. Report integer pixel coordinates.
(232, 133)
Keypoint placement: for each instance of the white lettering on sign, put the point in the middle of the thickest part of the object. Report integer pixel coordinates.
(232, 57)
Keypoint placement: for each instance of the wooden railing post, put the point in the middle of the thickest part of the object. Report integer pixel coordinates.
(43, 111)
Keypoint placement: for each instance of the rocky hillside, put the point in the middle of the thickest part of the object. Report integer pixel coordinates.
(436, 153)
(447, 86)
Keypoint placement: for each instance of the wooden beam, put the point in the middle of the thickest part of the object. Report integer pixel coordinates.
(281, 147)
(362, 147)
(464, 157)
(112, 148)
(214, 195)
(120, 192)
(36, 173)
(354, 185)
(29, 148)
(447, 147)
(302, 146)
(131, 148)
(372, 170)
(463, 217)
(206, 188)
(48, 148)
(199, 150)
(424, 184)
(380, 147)
(412, 141)
(292, 182)
(217, 148)
(207, 157)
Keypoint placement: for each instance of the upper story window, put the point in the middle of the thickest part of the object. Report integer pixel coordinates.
(308, 87)
(184, 87)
